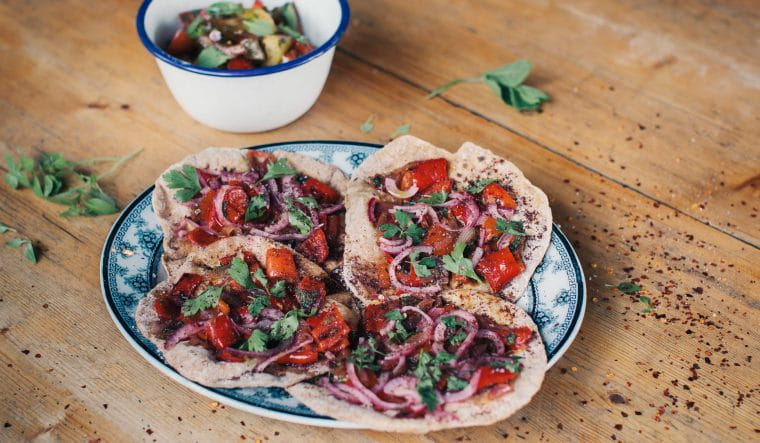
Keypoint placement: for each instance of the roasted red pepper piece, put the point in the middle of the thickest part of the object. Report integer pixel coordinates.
(201, 238)
(411, 279)
(323, 192)
(166, 309)
(374, 317)
(489, 226)
(494, 376)
(311, 284)
(315, 246)
(186, 285)
(439, 186)
(239, 63)
(220, 332)
(424, 173)
(499, 268)
(303, 48)
(494, 193)
(303, 356)
(235, 204)
(461, 212)
(440, 239)
(328, 329)
(521, 337)
(280, 264)
(181, 43)
(208, 214)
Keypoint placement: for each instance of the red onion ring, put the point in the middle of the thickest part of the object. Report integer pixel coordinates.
(345, 392)
(183, 333)
(471, 328)
(219, 205)
(477, 254)
(404, 387)
(467, 392)
(382, 379)
(395, 249)
(377, 402)
(263, 365)
(494, 338)
(390, 186)
(331, 210)
(397, 261)
(282, 222)
(371, 210)
(279, 237)
(504, 241)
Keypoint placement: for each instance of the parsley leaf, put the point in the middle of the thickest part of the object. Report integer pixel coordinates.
(278, 290)
(259, 27)
(394, 315)
(402, 130)
(309, 202)
(435, 198)
(515, 228)
(257, 342)
(224, 9)
(399, 333)
(428, 372)
(458, 264)
(367, 126)
(364, 356)
(458, 338)
(185, 179)
(29, 251)
(5, 228)
(422, 266)
(239, 272)
(478, 186)
(285, 327)
(647, 302)
(453, 322)
(297, 218)
(261, 278)
(511, 365)
(206, 300)
(506, 82)
(405, 228)
(454, 383)
(258, 304)
(628, 287)
(256, 207)
(278, 169)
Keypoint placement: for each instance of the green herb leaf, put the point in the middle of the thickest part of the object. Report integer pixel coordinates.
(206, 300)
(628, 287)
(297, 36)
(257, 205)
(309, 202)
(16, 242)
(259, 27)
(100, 206)
(405, 227)
(260, 277)
(185, 179)
(278, 169)
(478, 186)
(364, 356)
(239, 272)
(5, 228)
(436, 198)
(511, 365)
(390, 230)
(194, 29)
(511, 75)
(454, 383)
(457, 338)
(394, 315)
(278, 290)
(457, 263)
(257, 342)
(289, 15)
(258, 304)
(30, 253)
(285, 327)
(453, 322)
(402, 130)
(368, 125)
(297, 218)
(211, 57)
(647, 302)
(422, 266)
(225, 9)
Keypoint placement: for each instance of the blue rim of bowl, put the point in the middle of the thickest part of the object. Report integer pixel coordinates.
(162, 55)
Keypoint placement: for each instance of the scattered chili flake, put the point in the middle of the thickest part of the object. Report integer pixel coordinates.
(25, 352)
(617, 399)
(619, 427)
(7, 425)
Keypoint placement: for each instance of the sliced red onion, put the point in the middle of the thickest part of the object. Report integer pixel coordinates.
(507, 213)
(278, 237)
(428, 322)
(382, 379)
(494, 338)
(433, 215)
(466, 236)
(504, 241)
(419, 210)
(377, 402)
(331, 210)
(387, 328)
(404, 387)
(263, 365)
(282, 222)
(271, 313)
(391, 241)
(467, 392)
(290, 186)
(400, 366)
(272, 184)
(493, 210)
(477, 254)
(411, 289)
(183, 333)
(345, 392)
(396, 249)
(390, 186)
(439, 334)
(219, 205)
(371, 210)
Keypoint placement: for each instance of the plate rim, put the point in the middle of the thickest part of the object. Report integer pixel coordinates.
(294, 417)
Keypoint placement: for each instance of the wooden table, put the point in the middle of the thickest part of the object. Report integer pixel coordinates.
(649, 151)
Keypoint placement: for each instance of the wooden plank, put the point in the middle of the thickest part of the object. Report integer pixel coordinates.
(641, 89)
(701, 281)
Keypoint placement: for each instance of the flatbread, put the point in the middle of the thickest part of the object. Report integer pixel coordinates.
(476, 411)
(362, 254)
(198, 363)
(171, 212)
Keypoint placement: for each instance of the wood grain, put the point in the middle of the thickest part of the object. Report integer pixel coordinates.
(684, 372)
(641, 89)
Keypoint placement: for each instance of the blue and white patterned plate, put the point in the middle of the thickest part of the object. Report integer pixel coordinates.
(130, 267)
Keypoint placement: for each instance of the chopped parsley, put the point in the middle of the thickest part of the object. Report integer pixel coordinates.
(399, 333)
(285, 327)
(511, 365)
(185, 181)
(457, 263)
(256, 207)
(422, 266)
(454, 383)
(278, 169)
(428, 372)
(364, 356)
(297, 218)
(278, 290)
(309, 202)
(206, 300)
(258, 304)
(239, 272)
(257, 342)
(515, 228)
(647, 302)
(478, 186)
(436, 198)
(405, 227)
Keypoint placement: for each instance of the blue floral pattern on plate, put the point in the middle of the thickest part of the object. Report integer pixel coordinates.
(130, 267)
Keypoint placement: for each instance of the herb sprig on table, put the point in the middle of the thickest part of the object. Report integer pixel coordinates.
(28, 247)
(54, 178)
(507, 83)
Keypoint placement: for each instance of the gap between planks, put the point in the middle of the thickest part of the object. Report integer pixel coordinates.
(542, 145)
